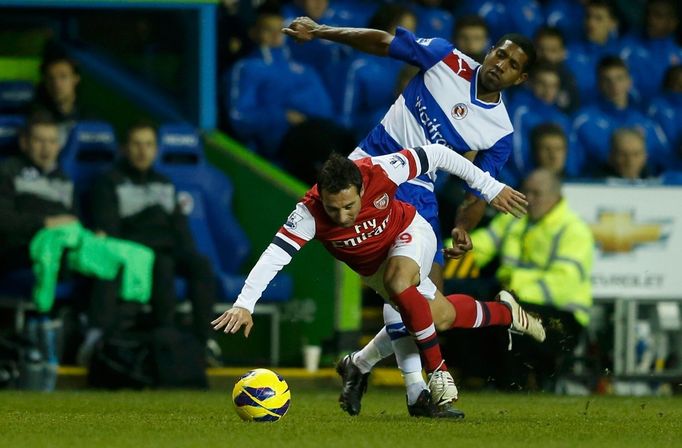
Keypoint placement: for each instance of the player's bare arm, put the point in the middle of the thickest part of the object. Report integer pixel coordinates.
(469, 214)
(305, 29)
(233, 320)
(471, 211)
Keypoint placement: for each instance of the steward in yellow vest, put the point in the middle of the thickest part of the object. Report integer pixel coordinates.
(546, 260)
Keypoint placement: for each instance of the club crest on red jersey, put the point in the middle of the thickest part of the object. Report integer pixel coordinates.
(459, 111)
(381, 202)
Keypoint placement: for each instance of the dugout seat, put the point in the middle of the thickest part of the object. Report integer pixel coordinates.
(10, 128)
(206, 195)
(16, 289)
(15, 96)
(217, 233)
(89, 151)
(672, 178)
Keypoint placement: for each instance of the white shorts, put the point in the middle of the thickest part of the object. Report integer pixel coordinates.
(417, 242)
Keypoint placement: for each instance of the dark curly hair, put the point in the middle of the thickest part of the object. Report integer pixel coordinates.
(338, 173)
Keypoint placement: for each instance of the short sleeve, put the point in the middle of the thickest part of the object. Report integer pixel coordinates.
(423, 53)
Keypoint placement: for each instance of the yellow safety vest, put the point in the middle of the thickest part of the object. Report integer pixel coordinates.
(548, 262)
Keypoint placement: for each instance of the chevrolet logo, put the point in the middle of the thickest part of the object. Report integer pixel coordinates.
(617, 232)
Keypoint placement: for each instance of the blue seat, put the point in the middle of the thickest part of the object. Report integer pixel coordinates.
(89, 151)
(672, 178)
(19, 284)
(10, 128)
(217, 233)
(15, 96)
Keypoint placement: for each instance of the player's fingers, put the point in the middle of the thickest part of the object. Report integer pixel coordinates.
(218, 319)
(520, 197)
(452, 253)
(238, 324)
(230, 324)
(518, 210)
(499, 205)
(247, 329)
(220, 322)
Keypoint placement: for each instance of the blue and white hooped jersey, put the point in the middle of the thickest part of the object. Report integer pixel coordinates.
(439, 105)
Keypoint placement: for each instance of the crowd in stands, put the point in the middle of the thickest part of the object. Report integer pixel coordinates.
(599, 71)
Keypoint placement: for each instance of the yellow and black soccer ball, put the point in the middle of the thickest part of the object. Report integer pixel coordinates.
(261, 395)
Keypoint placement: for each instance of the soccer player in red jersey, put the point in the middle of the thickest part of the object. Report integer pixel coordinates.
(353, 212)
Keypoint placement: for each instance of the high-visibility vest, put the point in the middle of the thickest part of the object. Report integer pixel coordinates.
(548, 262)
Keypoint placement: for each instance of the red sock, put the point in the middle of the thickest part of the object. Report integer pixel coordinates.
(416, 315)
(472, 313)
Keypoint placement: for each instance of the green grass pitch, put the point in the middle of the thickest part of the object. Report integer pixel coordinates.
(207, 419)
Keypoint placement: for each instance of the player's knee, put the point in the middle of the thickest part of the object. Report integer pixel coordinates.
(443, 313)
(441, 323)
(398, 280)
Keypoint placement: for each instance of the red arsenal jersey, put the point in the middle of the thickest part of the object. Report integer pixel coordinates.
(364, 246)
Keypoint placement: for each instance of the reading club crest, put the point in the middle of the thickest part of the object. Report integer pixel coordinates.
(185, 202)
(459, 111)
(381, 202)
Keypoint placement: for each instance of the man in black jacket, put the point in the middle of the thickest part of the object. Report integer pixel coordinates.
(34, 192)
(134, 202)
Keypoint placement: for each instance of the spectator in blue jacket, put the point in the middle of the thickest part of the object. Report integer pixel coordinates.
(506, 16)
(365, 99)
(567, 16)
(551, 48)
(666, 110)
(600, 40)
(323, 56)
(432, 19)
(531, 107)
(268, 92)
(649, 55)
(549, 148)
(471, 37)
(594, 124)
(627, 156)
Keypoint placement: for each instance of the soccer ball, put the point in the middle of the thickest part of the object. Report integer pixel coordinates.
(261, 395)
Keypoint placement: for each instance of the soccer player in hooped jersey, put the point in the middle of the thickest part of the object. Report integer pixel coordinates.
(454, 101)
(353, 211)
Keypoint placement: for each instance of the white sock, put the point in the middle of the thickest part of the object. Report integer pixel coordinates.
(376, 350)
(406, 355)
(415, 384)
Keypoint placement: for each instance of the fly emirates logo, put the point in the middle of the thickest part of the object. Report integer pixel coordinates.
(430, 124)
(366, 230)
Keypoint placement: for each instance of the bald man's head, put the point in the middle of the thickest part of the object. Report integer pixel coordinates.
(543, 191)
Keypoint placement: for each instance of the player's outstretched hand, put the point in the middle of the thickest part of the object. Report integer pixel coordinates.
(510, 201)
(233, 319)
(301, 29)
(461, 244)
